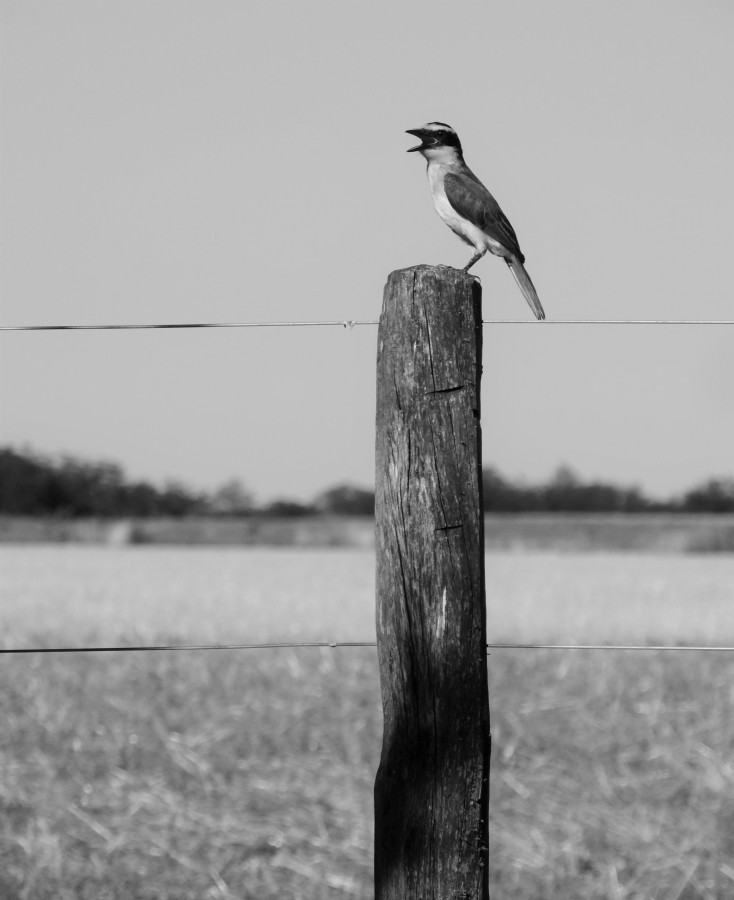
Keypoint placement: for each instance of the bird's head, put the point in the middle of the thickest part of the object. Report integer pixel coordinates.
(438, 141)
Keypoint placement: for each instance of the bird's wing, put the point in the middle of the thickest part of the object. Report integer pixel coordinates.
(471, 199)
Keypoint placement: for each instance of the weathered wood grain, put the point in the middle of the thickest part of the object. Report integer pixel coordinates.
(431, 790)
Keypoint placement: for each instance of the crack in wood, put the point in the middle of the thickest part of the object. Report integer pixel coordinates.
(448, 390)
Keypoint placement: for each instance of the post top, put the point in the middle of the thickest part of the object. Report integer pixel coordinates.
(437, 271)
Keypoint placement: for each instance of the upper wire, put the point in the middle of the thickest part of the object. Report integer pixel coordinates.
(349, 324)
(295, 645)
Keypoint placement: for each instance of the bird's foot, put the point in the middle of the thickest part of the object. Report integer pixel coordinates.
(477, 256)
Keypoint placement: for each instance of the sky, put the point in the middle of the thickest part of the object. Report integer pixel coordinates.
(244, 162)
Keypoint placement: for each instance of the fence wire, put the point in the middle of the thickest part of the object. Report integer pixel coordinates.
(300, 645)
(349, 324)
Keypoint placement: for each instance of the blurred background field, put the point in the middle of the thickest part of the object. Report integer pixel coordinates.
(199, 774)
(566, 532)
(77, 595)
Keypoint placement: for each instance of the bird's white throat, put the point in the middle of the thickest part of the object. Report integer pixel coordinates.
(448, 156)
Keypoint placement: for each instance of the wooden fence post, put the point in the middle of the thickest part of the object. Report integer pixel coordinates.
(432, 786)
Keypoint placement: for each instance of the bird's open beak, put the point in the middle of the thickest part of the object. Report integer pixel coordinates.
(419, 133)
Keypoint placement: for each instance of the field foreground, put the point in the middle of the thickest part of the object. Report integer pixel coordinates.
(187, 775)
(183, 776)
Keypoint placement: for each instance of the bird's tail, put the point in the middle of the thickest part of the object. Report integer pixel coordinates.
(526, 285)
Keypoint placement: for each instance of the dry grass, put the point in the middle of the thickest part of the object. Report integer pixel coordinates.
(189, 776)
(613, 776)
(78, 596)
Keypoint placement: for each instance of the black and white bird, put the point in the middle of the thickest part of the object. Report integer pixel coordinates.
(467, 207)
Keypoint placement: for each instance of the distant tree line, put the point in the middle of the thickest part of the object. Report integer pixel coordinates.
(566, 492)
(31, 484)
(36, 485)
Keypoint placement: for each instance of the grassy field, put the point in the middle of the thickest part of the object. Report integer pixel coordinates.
(192, 775)
(78, 595)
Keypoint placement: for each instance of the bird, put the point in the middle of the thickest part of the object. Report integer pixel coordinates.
(467, 207)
